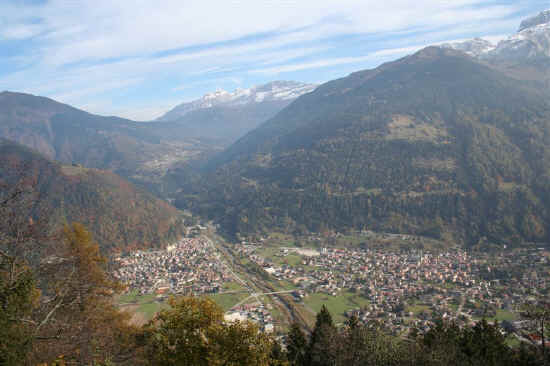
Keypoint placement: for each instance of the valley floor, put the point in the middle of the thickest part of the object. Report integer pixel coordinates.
(277, 280)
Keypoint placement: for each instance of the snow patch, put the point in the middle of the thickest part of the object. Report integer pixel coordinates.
(274, 91)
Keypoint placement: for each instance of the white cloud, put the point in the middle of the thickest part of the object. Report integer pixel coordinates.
(84, 49)
(102, 29)
(20, 31)
(391, 52)
(144, 112)
(310, 65)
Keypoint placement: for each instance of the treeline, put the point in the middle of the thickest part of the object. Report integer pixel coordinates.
(445, 344)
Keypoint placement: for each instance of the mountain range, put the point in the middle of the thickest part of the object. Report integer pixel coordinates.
(275, 91)
(524, 55)
(134, 150)
(436, 143)
(451, 142)
(531, 42)
(226, 116)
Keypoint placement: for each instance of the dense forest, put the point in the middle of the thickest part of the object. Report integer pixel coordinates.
(120, 215)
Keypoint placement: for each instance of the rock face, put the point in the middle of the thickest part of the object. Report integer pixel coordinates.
(271, 92)
(476, 47)
(530, 43)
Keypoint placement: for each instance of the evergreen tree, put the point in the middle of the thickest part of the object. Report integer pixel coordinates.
(321, 347)
(18, 296)
(277, 355)
(482, 344)
(296, 345)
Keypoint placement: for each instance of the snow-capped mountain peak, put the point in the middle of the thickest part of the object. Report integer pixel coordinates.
(531, 42)
(475, 47)
(540, 19)
(270, 92)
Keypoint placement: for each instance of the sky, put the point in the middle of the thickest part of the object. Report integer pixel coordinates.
(139, 58)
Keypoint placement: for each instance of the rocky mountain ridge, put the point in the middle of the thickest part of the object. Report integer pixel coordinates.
(270, 92)
(531, 42)
(541, 18)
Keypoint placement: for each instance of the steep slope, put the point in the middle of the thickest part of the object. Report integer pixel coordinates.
(226, 116)
(67, 134)
(119, 215)
(435, 143)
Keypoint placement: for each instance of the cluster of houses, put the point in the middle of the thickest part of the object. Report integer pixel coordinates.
(188, 267)
(402, 289)
(256, 312)
(412, 288)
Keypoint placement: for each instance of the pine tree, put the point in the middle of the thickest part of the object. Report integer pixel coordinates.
(18, 296)
(296, 345)
(321, 348)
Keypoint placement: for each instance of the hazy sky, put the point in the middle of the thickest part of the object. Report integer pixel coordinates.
(139, 58)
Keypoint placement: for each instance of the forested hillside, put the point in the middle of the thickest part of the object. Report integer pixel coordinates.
(119, 215)
(435, 143)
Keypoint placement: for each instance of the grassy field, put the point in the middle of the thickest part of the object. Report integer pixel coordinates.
(337, 305)
(232, 286)
(285, 285)
(235, 294)
(133, 297)
(151, 308)
(268, 252)
(417, 309)
(227, 301)
(280, 239)
(512, 342)
(142, 307)
(291, 259)
(504, 315)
